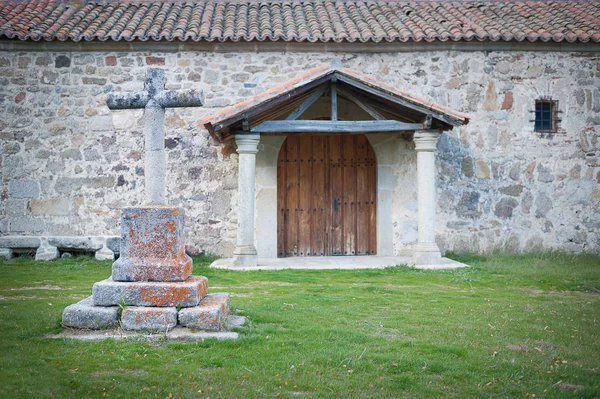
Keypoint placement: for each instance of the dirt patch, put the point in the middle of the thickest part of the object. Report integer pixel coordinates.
(17, 297)
(520, 347)
(39, 287)
(136, 372)
(566, 386)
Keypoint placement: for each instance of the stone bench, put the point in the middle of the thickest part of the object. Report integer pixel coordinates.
(49, 247)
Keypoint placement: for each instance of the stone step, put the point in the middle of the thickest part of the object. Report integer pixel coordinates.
(151, 319)
(84, 314)
(159, 294)
(209, 315)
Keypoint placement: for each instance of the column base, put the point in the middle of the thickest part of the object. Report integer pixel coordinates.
(245, 256)
(427, 254)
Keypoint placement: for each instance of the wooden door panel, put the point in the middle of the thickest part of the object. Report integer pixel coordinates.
(362, 196)
(304, 196)
(336, 196)
(326, 193)
(349, 198)
(319, 195)
(292, 183)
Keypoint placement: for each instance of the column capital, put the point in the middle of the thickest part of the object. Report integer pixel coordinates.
(247, 143)
(426, 140)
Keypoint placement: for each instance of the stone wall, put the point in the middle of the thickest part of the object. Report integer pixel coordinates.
(69, 164)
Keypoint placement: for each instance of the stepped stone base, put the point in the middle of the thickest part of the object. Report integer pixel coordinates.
(185, 294)
(152, 282)
(209, 315)
(152, 245)
(84, 314)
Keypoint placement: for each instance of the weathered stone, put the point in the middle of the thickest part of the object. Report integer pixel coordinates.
(515, 171)
(194, 76)
(23, 189)
(211, 76)
(575, 172)
(76, 242)
(468, 206)
(163, 294)
(84, 314)
(489, 103)
(62, 61)
(482, 170)
(508, 100)
(6, 253)
(93, 81)
(66, 255)
(514, 190)
(543, 204)
(209, 315)
(50, 207)
(16, 242)
(544, 174)
(467, 166)
(144, 318)
(15, 207)
(46, 251)
(504, 208)
(155, 60)
(152, 247)
(20, 97)
(110, 60)
(114, 244)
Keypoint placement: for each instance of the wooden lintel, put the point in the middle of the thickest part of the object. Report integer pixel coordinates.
(369, 110)
(370, 89)
(307, 103)
(312, 126)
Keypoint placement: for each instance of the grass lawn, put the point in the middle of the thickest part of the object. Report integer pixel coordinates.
(506, 327)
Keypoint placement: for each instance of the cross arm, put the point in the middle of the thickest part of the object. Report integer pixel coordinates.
(180, 98)
(131, 100)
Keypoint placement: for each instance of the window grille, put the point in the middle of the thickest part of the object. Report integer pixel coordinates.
(546, 115)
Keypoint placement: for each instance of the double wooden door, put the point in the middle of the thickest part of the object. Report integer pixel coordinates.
(326, 196)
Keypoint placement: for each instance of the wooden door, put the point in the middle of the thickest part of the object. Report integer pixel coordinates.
(326, 196)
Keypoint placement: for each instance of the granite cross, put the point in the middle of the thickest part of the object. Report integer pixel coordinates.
(154, 99)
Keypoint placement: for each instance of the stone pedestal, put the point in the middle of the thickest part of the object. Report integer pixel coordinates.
(152, 247)
(426, 251)
(151, 281)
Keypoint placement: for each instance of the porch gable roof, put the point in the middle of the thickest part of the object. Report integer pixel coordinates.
(282, 99)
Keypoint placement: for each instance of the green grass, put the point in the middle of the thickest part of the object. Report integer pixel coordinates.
(505, 327)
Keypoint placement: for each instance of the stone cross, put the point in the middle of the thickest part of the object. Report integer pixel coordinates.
(154, 99)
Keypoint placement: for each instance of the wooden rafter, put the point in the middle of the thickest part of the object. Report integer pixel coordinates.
(374, 114)
(307, 103)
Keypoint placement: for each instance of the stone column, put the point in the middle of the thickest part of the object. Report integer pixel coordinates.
(426, 251)
(245, 252)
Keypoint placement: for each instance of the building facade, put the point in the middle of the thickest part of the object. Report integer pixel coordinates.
(522, 175)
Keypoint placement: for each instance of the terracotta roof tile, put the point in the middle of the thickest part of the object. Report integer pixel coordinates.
(301, 21)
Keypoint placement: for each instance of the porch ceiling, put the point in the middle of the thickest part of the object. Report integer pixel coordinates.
(377, 100)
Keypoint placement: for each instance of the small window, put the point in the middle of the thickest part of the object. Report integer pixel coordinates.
(546, 115)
